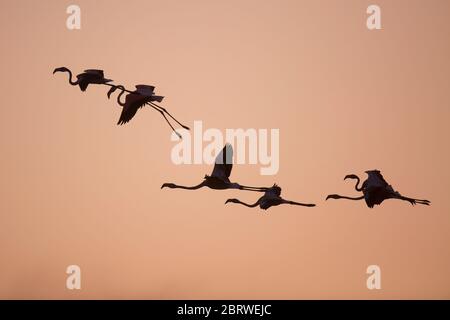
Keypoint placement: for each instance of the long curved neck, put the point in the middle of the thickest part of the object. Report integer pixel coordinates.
(246, 204)
(120, 95)
(189, 188)
(74, 83)
(349, 198)
(357, 184)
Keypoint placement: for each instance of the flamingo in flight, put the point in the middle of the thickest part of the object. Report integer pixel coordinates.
(375, 190)
(90, 76)
(142, 95)
(134, 100)
(219, 179)
(272, 197)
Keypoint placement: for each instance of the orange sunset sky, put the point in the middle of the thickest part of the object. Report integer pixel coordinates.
(78, 189)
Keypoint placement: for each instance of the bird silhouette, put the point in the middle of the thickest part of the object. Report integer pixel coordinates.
(272, 197)
(90, 76)
(219, 179)
(134, 100)
(375, 190)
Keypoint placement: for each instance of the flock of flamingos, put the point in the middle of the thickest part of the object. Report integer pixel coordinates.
(374, 189)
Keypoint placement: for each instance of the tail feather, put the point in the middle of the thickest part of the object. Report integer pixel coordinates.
(157, 98)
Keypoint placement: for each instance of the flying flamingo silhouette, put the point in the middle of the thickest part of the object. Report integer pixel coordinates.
(90, 76)
(272, 197)
(219, 179)
(134, 100)
(95, 76)
(375, 190)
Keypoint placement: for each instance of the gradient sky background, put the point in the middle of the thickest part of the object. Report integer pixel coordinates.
(77, 189)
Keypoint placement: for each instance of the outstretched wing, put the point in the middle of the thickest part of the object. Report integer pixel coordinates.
(133, 102)
(144, 87)
(224, 163)
(274, 191)
(375, 179)
(95, 71)
(91, 76)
